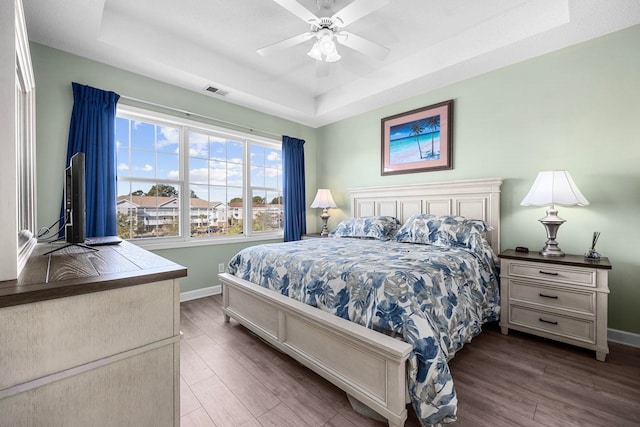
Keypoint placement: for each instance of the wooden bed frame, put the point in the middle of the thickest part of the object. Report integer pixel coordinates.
(367, 365)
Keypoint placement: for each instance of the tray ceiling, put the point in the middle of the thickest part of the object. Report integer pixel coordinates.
(199, 43)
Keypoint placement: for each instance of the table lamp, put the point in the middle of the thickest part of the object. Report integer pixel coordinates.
(549, 189)
(324, 200)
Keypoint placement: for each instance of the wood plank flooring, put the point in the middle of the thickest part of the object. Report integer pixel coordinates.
(229, 377)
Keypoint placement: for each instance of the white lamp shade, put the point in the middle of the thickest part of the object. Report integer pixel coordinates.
(554, 188)
(323, 199)
(315, 52)
(333, 56)
(326, 44)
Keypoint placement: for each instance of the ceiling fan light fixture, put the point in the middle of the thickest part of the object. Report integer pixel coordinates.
(326, 44)
(324, 49)
(315, 52)
(333, 56)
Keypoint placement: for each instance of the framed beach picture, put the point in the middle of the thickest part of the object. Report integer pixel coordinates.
(419, 140)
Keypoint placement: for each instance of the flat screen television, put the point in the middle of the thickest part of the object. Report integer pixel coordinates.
(74, 196)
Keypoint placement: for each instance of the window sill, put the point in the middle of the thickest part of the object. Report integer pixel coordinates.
(178, 243)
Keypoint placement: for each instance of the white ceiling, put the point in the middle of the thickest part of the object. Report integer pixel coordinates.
(198, 43)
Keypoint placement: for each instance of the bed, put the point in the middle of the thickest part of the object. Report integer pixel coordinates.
(366, 355)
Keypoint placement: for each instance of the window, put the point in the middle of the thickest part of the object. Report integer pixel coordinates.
(180, 180)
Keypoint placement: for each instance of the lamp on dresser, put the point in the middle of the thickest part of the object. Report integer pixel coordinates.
(549, 189)
(324, 200)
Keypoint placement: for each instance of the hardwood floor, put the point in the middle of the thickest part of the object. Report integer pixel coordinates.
(229, 377)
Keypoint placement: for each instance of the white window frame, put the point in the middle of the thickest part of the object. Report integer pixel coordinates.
(185, 125)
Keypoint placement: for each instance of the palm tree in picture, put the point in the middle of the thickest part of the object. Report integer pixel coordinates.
(416, 129)
(433, 123)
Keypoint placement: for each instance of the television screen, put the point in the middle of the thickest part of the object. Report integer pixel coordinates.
(75, 200)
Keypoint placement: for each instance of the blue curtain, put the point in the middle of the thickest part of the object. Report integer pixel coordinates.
(295, 221)
(92, 131)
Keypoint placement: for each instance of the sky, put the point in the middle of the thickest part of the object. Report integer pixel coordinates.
(151, 152)
(403, 130)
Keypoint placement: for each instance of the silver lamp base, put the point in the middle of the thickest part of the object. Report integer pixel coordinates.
(325, 217)
(551, 223)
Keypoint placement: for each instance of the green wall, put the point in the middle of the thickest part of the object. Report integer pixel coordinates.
(576, 109)
(56, 70)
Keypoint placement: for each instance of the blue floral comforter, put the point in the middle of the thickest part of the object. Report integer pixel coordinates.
(434, 298)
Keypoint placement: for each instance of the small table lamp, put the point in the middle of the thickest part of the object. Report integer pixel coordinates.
(549, 189)
(324, 200)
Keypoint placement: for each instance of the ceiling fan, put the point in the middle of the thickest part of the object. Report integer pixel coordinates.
(327, 28)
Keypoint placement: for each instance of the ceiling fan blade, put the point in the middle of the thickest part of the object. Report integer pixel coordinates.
(356, 10)
(362, 45)
(284, 44)
(297, 9)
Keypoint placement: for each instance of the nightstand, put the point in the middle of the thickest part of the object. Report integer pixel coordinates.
(312, 236)
(561, 298)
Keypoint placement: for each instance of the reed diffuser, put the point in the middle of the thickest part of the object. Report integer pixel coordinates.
(591, 253)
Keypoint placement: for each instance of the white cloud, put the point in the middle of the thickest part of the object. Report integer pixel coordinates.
(123, 167)
(199, 175)
(199, 145)
(267, 172)
(168, 136)
(145, 168)
(273, 156)
(218, 159)
(198, 150)
(270, 172)
(230, 175)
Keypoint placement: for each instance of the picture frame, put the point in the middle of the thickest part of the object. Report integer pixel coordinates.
(419, 140)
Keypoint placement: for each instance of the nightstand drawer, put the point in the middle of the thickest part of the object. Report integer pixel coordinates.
(569, 327)
(582, 302)
(553, 273)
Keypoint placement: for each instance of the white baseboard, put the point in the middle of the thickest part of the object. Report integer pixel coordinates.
(623, 337)
(613, 335)
(200, 293)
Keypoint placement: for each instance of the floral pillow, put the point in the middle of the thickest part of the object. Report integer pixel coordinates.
(442, 231)
(369, 227)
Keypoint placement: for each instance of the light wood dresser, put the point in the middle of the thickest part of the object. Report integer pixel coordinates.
(561, 298)
(91, 338)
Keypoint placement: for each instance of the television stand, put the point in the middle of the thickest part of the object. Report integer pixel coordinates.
(82, 245)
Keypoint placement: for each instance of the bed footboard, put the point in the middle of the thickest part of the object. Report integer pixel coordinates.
(366, 364)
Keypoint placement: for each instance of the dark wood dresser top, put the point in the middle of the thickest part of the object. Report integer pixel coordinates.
(573, 260)
(76, 270)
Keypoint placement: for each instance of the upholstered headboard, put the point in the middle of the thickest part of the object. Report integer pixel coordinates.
(471, 198)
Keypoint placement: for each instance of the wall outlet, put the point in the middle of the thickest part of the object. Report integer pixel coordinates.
(221, 268)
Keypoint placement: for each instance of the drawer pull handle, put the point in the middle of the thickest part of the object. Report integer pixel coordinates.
(549, 296)
(548, 273)
(547, 321)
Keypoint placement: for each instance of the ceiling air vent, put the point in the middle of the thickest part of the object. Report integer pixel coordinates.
(215, 90)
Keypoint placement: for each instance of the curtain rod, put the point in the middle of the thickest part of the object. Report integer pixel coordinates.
(191, 114)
